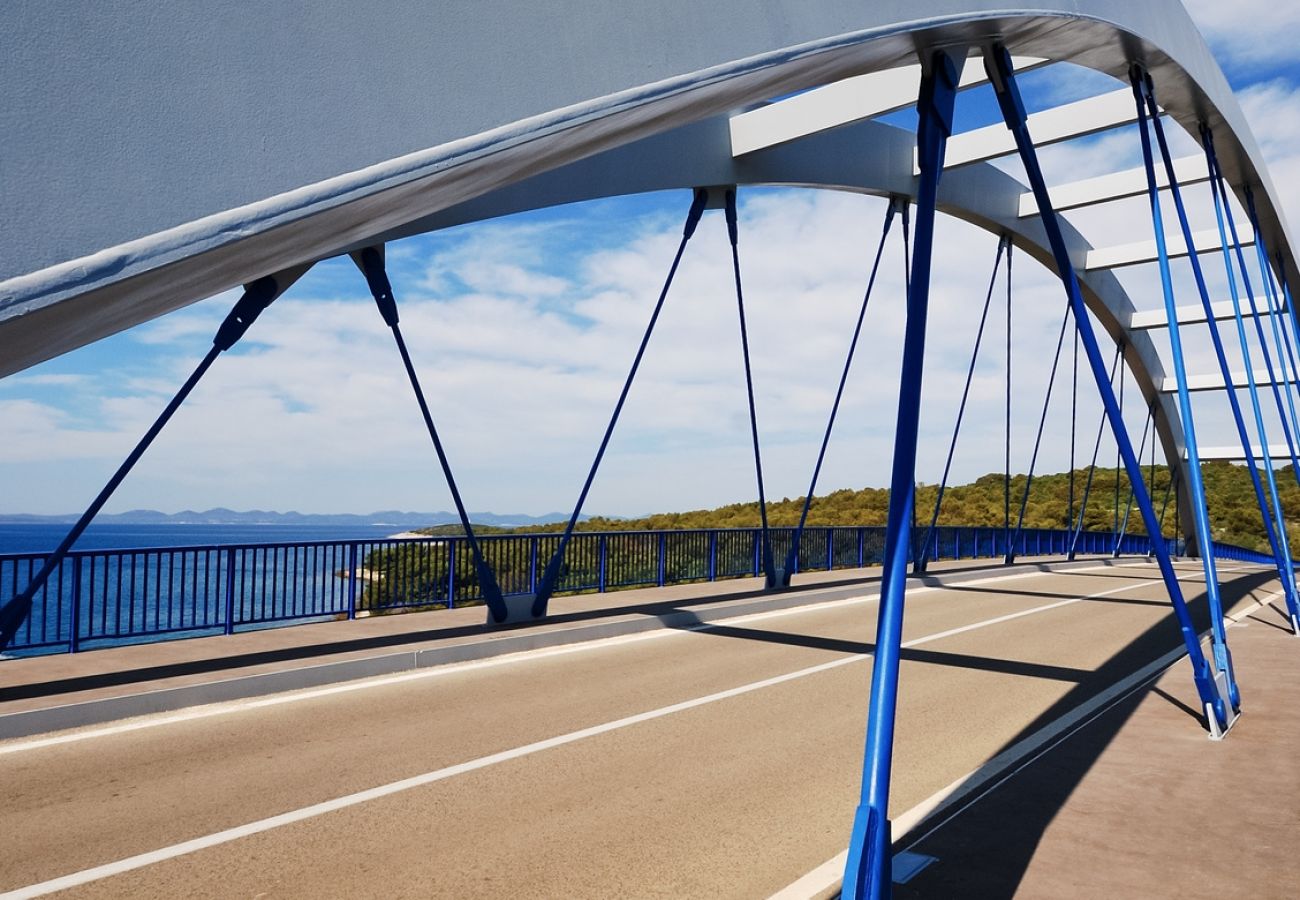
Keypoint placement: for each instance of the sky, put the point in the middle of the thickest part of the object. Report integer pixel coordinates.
(522, 330)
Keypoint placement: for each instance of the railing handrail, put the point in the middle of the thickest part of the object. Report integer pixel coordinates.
(112, 595)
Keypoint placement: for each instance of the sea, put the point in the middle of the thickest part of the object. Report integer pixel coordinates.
(43, 537)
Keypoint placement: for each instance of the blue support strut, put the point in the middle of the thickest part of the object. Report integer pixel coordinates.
(729, 206)
(371, 263)
(998, 65)
(867, 872)
(1274, 525)
(546, 586)
(1144, 94)
(256, 298)
(792, 557)
(923, 556)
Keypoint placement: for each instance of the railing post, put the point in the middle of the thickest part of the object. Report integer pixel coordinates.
(230, 591)
(533, 545)
(862, 546)
(713, 555)
(602, 556)
(663, 558)
(451, 572)
(352, 580)
(74, 638)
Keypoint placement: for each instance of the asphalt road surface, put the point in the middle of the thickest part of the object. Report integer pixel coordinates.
(718, 762)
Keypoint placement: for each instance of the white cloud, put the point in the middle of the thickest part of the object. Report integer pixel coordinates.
(1251, 34)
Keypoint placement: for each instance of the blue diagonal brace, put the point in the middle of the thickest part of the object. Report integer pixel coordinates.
(1144, 95)
(923, 555)
(371, 263)
(546, 586)
(998, 64)
(257, 296)
(867, 871)
(765, 537)
(1274, 523)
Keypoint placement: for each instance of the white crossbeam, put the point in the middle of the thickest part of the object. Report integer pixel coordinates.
(1116, 186)
(1060, 123)
(1147, 319)
(1145, 251)
(1234, 454)
(841, 103)
(1214, 382)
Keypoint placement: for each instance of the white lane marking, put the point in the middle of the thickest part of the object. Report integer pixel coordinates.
(131, 863)
(221, 709)
(825, 880)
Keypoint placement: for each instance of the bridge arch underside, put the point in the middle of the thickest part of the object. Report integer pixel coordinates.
(599, 125)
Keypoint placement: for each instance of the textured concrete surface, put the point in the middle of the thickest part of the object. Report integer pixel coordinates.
(1139, 804)
(733, 795)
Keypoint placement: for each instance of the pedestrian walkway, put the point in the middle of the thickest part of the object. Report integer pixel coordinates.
(1137, 802)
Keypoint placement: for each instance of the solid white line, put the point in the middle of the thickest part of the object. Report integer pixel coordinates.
(96, 873)
(235, 706)
(825, 879)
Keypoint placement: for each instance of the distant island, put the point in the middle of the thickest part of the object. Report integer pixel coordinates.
(219, 516)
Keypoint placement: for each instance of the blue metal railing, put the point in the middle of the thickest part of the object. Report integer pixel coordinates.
(102, 598)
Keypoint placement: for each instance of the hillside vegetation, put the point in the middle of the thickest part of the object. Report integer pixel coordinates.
(1234, 516)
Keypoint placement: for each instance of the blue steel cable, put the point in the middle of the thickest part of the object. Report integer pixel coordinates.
(792, 558)
(1259, 328)
(1001, 73)
(1074, 417)
(1128, 505)
(1010, 556)
(256, 298)
(1277, 314)
(371, 263)
(1274, 525)
(769, 571)
(1003, 245)
(1115, 526)
(1006, 449)
(1144, 94)
(1270, 301)
(1092, 467)
(547, 584)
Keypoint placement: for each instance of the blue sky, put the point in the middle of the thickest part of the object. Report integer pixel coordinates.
(522, 330)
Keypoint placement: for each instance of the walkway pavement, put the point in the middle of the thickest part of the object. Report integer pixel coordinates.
(1138, 804)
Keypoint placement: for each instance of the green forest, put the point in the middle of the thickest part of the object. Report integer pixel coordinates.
(425, 575)
(1234, 515)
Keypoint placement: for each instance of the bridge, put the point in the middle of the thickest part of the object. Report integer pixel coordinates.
(564, 720)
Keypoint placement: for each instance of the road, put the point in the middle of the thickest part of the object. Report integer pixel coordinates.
(717, 762)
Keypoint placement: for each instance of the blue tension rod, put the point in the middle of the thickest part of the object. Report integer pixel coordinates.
(1092, 467)
(729, 205)
(552, 573)
(371, 263)
(1010, 556)
(1259, 328)
(792, 558)
(998, 65)
(1128, 506)
(1271, 302)
(867, 873)
(1144, 94)
(1006, 444)
(1274, 525)
(924, 554)
(257, 297)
